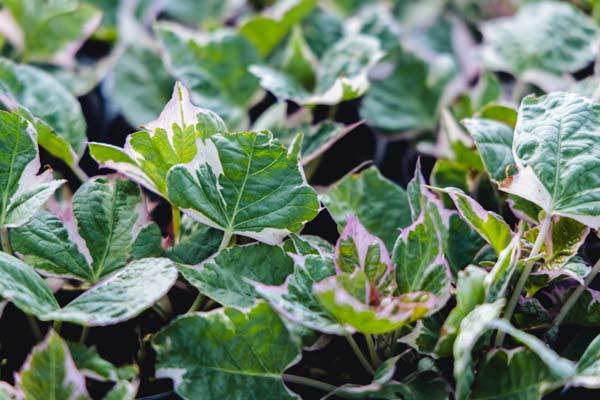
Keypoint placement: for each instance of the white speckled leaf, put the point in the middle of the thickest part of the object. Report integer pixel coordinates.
(23, 192)
(224, 277)
(227, 354)
(49, 373)
(548, 36)
(121, 296)
(245, 183)
(557, 155)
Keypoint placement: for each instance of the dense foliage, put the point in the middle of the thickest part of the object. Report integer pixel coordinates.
(202, 232)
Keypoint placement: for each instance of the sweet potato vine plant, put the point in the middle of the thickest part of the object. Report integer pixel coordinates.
(463, 284)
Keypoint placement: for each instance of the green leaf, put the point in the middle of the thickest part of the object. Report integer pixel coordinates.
(357, 249)
(341, 74)
(420, 263)
(317, 138)
(463, 245)
(7, 392)
(470, 292)
(488, 224)
(122, 390)
(227, 353)
(348, 298)
(224, 277)
(49, 373)
(554, 148)
(498, 279)
(494, 141)
(167, 141)
(21, 285)
(46, 99)
(92, 365)
(196, 243)
(512, 374)
(266, 31)
(121, 296)
(566, 237)
(245, 183)
(94, 241)
(304, 245)
(213, 67)
(405, 99)
(51, 32)
(379, 204)
(472, 327)
(23, 192)
(295, 299)
(139, 84)
(550, 37)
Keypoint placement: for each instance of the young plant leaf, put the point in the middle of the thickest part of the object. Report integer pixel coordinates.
(23, 191)
(470, 292)
(50, 373)
(347, 297)
(50, 32)
(379, 204)
(94, 241)
(559, 39)
(138, 98)
(342, 74)
(488, 224)
(245, 183)
(92, 365)
(267, 30)
(295, 299)
(21, 285)
(44, 98)
(494, 141)
(555, 156)
(244, 351)
(167, 141)
(213, 67)
(224, 277)
(317, 138)
(121, 296)
(472, 327)
(405, 99)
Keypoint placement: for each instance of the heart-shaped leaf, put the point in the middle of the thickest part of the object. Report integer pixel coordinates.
(555, 153)
(245, 183)
(92, 241)
(224, 277)
(169, 140)
(23, 191)
(245, 351)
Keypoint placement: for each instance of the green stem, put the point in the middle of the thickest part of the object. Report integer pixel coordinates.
(79, 173)
(176, 221)
(332, 112)
(56, 326)
(575, 296)
(372, 351)
(301, 380)
(225, 241)
(161, 313)
(35, 329)
(512, 303)
(209, 303)
(84, 334)
(5, 239)
(361, 357)
(196, 303)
